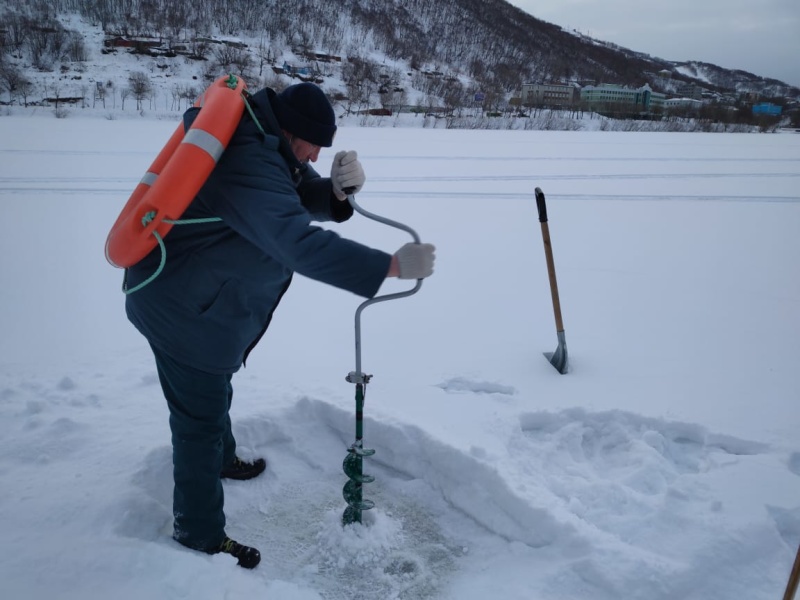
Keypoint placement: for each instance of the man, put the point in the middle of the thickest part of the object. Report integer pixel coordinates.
(225, 275)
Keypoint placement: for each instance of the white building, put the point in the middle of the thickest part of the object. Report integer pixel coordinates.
(547, 94)
(611, 95)
(683, 103)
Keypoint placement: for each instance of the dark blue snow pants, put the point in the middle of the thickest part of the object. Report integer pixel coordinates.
(202, 443)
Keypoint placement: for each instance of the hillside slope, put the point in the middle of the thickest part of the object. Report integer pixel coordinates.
(366, 52)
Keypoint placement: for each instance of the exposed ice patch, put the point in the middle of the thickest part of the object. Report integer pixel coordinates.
(462, 384)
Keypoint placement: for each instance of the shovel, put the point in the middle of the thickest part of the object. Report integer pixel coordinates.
(558, 358)
(794, 577)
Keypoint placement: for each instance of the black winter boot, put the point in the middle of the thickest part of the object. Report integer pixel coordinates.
(248, 557)
(242, 470)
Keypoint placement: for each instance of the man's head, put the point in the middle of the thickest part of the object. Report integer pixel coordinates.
(304, 111)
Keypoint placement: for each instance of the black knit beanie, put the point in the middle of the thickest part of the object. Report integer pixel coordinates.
(304, 111)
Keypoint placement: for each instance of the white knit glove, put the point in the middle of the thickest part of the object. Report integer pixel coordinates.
(415, 261)
(347, 174)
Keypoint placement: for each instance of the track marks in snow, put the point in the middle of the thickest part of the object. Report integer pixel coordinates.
(644, 493)
(44, 421)
(597, 459)
(618, 440)
(629, 476)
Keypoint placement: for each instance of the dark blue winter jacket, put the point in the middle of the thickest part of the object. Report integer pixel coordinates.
(222, 280)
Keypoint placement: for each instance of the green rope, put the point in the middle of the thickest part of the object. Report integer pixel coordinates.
(147, 219)
(231, 81)
(253, 115)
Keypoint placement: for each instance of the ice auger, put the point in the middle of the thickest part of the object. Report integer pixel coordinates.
(353, 463)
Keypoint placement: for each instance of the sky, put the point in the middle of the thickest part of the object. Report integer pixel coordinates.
(761, 37)
(664, 464)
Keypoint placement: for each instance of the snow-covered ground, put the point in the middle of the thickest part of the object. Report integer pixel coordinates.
(665, 465)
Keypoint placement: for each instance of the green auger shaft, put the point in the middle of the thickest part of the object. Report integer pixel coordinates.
(353, 464)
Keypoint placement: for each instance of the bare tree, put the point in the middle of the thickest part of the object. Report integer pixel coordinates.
(200, 49)
(18, 30)
(176, 17)
(11, 78)
(360, 78)
(123, 94)
(37, 43)
(99, 94)
(265, 55)
(139, 86)
(25, 89)
(243, 62)
(187, 93)
(76, 49)
(56, 94)
(453, 98)
(232, 58)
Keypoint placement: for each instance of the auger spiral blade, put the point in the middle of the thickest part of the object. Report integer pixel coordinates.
(352, 491)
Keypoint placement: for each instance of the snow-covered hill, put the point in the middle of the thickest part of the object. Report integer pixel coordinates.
(66, 58)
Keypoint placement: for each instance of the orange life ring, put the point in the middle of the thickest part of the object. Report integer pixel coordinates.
(177, 174)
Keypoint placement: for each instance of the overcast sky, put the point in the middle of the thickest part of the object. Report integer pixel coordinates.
(760, 36)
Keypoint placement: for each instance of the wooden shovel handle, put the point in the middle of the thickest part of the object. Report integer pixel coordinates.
(791, 586)
(548, 252)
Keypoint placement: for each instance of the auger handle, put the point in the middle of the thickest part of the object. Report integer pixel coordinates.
(358, 375)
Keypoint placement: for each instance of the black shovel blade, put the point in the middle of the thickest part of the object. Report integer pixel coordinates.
(559, 358)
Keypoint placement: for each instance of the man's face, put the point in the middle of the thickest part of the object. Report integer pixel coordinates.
(304, 151)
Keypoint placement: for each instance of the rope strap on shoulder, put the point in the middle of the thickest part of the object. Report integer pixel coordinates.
(148, 217)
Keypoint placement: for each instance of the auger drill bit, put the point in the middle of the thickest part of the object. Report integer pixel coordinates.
(353, 462)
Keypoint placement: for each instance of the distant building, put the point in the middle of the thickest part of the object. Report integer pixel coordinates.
(683, 103)
(302, 70)
(138, 42)
(690, 90)
(321, 56)
(547, 94)
(612, 95)
(767, 108)
(749, 96)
